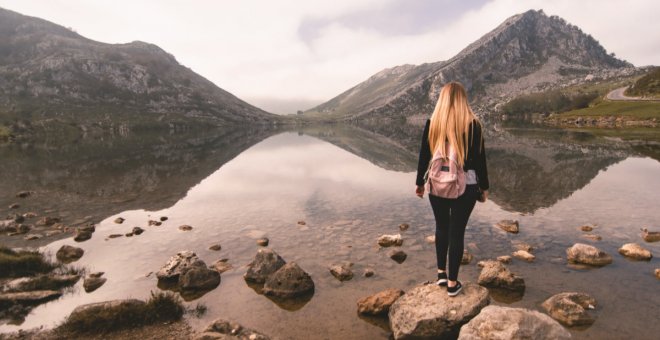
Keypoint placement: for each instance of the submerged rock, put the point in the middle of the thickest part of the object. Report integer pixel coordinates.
(179, 264)
(510, 226)
(430, 239)
(398, 255)
(32, 237)
(137, 231)
(390, 240)
(592, 237)
(199, 278)
(524, 255)
(265, 263)
(586, 254)
(505, 323)
(428, 312)
(154, 223)
(185, 227)
(650, 236)
(635, 252)
(24, 194)
(263, 242)
(342, 272)
(114, 307)
(657, 273)
(586, 228)
(378, 303)
(290, 281)
(570, 308)
(93, 282)
(369, 272)
(14, 206)
(467, 257)
(504, 259)
(520, 245)
(47, 221)
(68, 254)
(215, 247)
(228, 330)
(28, 298)
(494, 274)
(404, 226)
(82, 235)
(221, 265)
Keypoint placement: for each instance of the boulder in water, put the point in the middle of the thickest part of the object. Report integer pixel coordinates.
(505, 323)
(571, 309)
(495, 274)
(587, 254)
(635, 251)
(378, 303)
(289, 281)
(265, 263)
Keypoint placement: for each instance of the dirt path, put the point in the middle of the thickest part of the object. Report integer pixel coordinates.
(619, 95)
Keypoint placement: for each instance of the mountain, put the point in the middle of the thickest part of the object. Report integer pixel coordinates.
(528, 52)
(49, 72)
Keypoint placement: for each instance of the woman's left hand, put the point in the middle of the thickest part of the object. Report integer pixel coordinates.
(419, 191)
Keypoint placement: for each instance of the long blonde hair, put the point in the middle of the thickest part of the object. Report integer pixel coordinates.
(451, 120)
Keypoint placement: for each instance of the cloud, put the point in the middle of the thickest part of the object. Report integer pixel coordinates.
(307, 51)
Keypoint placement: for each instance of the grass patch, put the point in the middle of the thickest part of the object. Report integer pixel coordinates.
(647, 86)
(22, 263)
(161, 307)
(635, 110)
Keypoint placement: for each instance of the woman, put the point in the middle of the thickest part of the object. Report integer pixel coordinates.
(454, 122)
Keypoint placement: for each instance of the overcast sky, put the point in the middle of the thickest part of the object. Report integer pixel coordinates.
(288, 54)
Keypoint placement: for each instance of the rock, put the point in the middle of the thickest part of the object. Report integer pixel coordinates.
(369, 272)
(265, 263)
(570, 308)
(302, 222)
(137, 230)
(504, 258)
(342, 272)
(179, 264)
(163, 218)
(467, 257)
(185, 227)
(14, 206)
(228, 330)
(427, 312)
(53, 233)
(93, 282)
(404, 226)
(494, 274)
(154, 223)
(657, 273)
(24, 194)
(221, 266)
(48, 221)
(114, 307)
(30, 215)
(82, 235)
(586, 254)
(19, 218)
(129, 234)
(88, 228)
(263, 241)
(397, 255)
(119, 220)
(199, 278)
(68, 254)
(27, 298)
(650, 236)
(506, 323)
(635, 252)
(96, 274)
(390, 240)
(115, 235)
(592, 237)
(510, 226)
(378, 303)
(524, 255)
(520, 245)
(587, 228)
(32, 237)
(289, 281)
(215, 247)
(430, 239)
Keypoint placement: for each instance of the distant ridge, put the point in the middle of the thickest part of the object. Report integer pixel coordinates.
(48, 72)
(528, 52)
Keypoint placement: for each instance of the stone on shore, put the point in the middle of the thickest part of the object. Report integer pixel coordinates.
(82, 235)
(378, 303)
(263, 242)
(265, 263)
(524, 255)
(199, 278)
(227, 330)
(427, 311)
(586, 254)
(185, 227)
(635, 251)
(342, 272)
(570, 308)
(163, 218)
(290, 281)
(510, 226)
(215, 247)
(390, 240)
(495, 274)
(154, 223)
(137, 231)
(404, 226)
(397, 255)
(506, 323)
(93, 282)
(650, 236)
(68, 254)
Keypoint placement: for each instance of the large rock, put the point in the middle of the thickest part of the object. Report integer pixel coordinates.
(93, 282)
(390, 240)
(428, 312)
(650, 236)
(378, 303)
(570, 308)
(586, 254)
(228, 330)
(494, 274)
(104, 308)
(505, 323)
(510, 226)
(265, 263)
(342, 272)
(68, 254)
(288, 282)
(199, 278)
(635, 252)
(179, 264)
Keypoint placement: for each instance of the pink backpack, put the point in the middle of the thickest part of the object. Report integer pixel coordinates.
(445, 177)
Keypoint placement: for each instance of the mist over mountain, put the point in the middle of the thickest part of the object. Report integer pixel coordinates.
(528, 52)
(49, 72)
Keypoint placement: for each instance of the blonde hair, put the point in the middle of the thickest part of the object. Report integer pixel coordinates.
(451, 120)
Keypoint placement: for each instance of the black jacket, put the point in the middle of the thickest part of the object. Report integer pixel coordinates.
(475, 158)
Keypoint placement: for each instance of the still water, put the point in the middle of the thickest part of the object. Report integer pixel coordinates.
(349, 186)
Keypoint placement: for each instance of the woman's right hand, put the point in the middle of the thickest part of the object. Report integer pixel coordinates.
(484, 196)
(419, 191)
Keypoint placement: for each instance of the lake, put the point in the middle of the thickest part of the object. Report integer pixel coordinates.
(349, 185)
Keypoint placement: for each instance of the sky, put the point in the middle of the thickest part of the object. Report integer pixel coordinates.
(287, 55)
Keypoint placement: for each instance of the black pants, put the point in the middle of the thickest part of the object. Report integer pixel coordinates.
(451, 217)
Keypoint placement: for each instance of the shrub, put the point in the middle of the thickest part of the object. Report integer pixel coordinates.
(22, 263)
